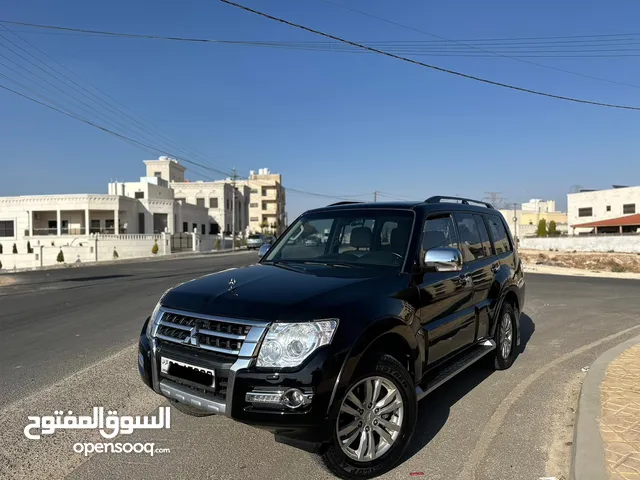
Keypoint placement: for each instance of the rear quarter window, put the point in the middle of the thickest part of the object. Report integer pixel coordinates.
(498, 234)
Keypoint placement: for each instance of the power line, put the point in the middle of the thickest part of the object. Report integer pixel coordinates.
(66, 81)
(479, 48)
(433, 67)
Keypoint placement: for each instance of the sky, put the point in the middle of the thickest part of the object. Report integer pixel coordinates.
(337, 123)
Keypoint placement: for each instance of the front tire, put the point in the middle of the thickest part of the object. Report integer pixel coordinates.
(375, 422)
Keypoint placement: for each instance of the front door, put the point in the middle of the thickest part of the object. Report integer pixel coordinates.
(446, 298)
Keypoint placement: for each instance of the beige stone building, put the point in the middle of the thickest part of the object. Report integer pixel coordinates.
(613, 210)
(524, 222)
(267, 201)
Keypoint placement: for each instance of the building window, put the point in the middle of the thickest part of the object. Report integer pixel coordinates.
(629, 208)
(203, 229)
(139, 195)
(195, 227)
(213, 203)
(264, 206)
(200, 202)
(254, 190)
(264, 192)
(108, 226)
(180, 199)
(185, 227)
(157, 174)
(95, 226)
(253, 205)
(585, 212)
(141, 222)
(214, 229)
(608, 208)
(228, 204)
(7, 229)
(253, 219)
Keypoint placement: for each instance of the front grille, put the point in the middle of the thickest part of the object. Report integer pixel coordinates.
(220, 335)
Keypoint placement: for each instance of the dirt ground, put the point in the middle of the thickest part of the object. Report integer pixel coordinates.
(591, 261)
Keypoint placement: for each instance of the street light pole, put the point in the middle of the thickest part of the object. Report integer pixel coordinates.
(233, 211)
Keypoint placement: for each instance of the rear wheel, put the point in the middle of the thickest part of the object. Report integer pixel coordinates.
(505, 338)
(375, 422)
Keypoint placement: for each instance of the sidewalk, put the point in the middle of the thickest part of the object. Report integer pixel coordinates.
(607, 435)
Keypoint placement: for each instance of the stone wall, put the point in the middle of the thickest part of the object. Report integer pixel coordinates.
(600, 243)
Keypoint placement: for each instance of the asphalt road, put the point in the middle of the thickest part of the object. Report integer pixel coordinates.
(67, 342)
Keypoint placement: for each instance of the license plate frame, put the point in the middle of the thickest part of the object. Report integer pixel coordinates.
(185, 368)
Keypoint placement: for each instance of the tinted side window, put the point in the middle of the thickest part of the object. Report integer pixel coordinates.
(499, 234)
(484, 235)
(470, 241)
(438, 232)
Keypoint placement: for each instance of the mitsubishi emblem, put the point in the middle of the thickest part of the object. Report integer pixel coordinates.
(192, 338)
(232, 284)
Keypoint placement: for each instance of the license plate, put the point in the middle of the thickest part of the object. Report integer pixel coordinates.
(186, 371)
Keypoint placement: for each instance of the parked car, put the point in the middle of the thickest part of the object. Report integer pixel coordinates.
(331, 349)
(271, 239)
(312, 241)
(255, 241)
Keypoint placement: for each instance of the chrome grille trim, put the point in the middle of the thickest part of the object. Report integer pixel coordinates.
(202, 316)
(246, 345)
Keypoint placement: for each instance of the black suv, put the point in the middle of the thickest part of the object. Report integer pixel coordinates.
(331, 344)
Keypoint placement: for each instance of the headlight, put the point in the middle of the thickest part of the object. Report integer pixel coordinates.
(155, 316)
(289, 344)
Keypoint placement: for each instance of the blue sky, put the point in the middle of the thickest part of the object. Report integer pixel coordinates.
(337, 123)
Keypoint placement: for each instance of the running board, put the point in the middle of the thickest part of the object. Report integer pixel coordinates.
(451, 370)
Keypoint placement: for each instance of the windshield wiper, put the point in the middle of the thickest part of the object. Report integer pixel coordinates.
(329, 264)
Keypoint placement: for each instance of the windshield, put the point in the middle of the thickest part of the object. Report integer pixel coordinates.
(369, 238)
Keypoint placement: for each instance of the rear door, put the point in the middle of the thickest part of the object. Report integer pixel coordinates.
(446, 299)
(480, 264)
(505, 254)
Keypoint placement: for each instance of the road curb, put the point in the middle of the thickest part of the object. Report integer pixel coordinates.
(159, 258)
(587, 461)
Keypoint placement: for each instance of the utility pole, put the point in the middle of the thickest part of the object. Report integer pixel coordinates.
(375, 196)
(515, 223)
(233, 211)
(493, 198)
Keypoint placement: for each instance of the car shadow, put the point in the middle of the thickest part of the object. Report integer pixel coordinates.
(97, 277)
(433, 410)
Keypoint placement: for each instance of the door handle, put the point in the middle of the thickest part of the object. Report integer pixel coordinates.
(495, 268)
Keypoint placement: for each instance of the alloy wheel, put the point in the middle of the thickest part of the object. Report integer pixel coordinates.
(370, 419)
(506, 336)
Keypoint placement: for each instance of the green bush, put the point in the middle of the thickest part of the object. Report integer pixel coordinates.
(60, 258)
(154, 250)
(237, 242)
(115, 253)
(217, 246)
(542, 228)
(15, 248)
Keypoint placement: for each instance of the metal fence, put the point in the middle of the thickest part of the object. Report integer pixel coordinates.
(181, 242)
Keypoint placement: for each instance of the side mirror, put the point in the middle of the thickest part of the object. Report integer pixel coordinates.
(264, 248)
(443, 259)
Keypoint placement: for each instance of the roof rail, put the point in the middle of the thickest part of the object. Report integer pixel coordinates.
(342, 203)
(464, 201)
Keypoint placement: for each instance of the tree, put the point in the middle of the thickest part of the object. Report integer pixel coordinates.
(15, 248)
(542, 228)
(60, 257)
(29, 249)
(154, 249)
(115, 253)
(552, 228)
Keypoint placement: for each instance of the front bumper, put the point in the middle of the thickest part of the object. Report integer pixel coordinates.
(305, 427)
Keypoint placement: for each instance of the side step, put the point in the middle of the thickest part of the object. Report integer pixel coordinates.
(451, 370)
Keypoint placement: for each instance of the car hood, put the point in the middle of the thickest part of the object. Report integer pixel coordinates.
(267, 292)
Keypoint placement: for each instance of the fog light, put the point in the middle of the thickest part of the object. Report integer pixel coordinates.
(292, 398)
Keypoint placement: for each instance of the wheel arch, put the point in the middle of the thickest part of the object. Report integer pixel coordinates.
(388, 335)
(511, 297)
